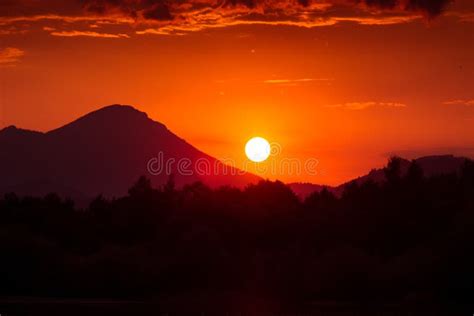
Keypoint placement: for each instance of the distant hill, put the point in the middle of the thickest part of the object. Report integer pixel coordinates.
(431, 166)
(104, 152)
(303, 189)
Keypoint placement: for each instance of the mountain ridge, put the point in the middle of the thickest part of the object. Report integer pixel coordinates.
(103, 152)
(106, 150)
(431, 166)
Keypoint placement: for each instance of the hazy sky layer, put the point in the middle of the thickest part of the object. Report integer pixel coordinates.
(339, 81)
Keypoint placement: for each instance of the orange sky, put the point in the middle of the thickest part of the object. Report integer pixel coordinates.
(325, 81)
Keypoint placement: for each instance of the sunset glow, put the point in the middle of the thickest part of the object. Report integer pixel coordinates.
(331, 80)
(236, 157)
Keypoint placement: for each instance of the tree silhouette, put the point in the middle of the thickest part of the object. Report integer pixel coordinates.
(366, 244)
(414, 173)
(393, 170)
(141, 188)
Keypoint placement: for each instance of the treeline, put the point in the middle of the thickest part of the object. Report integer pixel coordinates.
(408, 239)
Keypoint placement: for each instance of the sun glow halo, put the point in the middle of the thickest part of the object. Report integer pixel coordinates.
(257, 149)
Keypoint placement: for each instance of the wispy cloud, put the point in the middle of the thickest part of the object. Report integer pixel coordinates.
(178, 17)
(467, 102)
(6, 32)
(88, 34)
(357, 106)
(295, 81)
(462, 16)
(273, 9)
(11, 30)
(9, 56)
(112, 19)
(161, 31)
(198, 21)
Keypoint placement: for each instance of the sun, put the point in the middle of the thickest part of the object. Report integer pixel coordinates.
(257, 149)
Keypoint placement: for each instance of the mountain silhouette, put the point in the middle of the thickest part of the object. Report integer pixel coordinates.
(104, 152)
(431, 166)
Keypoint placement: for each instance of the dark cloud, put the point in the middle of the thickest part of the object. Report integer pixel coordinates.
(429, 7)
(181, 16)
(384, 4)
(146, 9)
(166, 10)
(13, 8)
(159, 12)
(247, 3)
(304, 3)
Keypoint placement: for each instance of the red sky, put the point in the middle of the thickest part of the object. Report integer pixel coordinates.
(335, 80)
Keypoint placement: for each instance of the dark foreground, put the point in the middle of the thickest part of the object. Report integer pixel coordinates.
(218, 305)
(408, 240)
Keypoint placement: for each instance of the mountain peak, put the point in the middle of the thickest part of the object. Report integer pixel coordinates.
(125, 108)
(9, 129)
(117, 110)
(104, 152)
(111, 116)
(12, 130)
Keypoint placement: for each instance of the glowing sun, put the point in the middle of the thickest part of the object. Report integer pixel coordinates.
(257, 149)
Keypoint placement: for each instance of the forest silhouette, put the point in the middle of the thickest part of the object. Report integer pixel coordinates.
(407, 239)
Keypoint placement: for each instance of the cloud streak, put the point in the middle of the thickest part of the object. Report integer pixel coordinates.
(357, 106)
(289, 81)
(9, 56)
(88, 34)
(460, 102)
